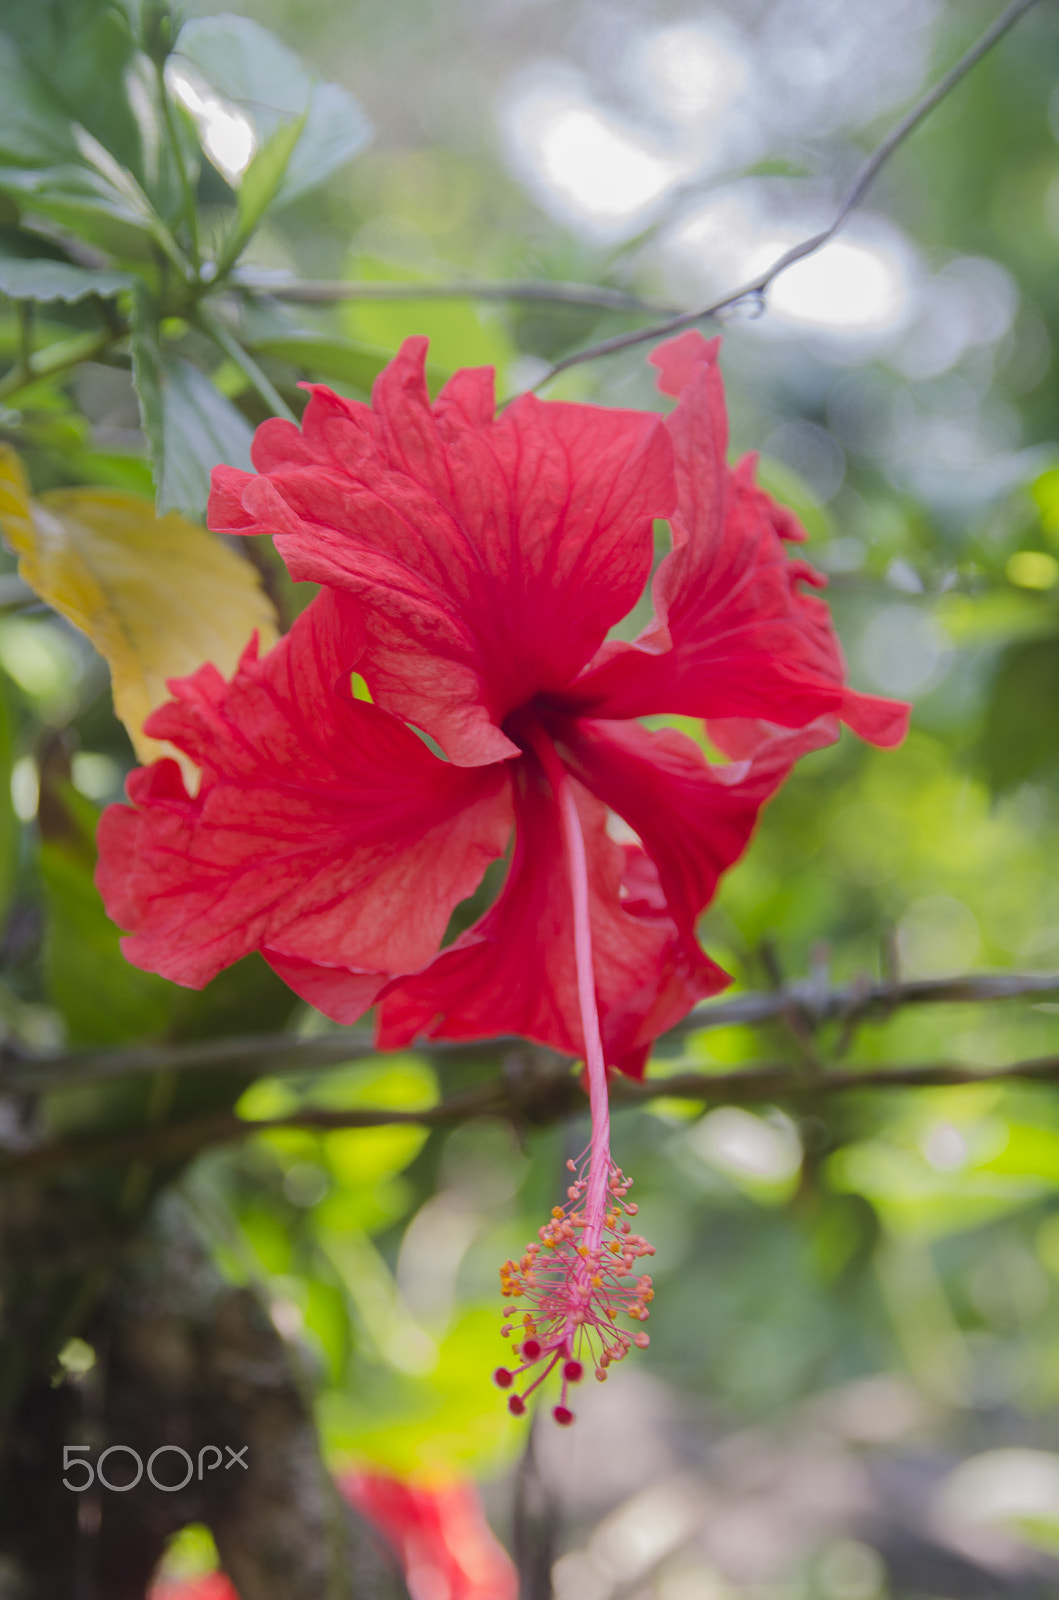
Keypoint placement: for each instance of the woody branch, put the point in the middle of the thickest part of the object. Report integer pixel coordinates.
(535, 1086)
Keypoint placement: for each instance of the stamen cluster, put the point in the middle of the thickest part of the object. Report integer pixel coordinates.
(577, 1278)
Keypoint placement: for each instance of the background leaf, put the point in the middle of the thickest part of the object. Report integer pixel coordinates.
(1020, 739)
(200, 429)
(250, 67)
(68, 52)
(257, 190)
(190, 426)
(343, 360)
(336, 129)
(157, 596)
(9, 827)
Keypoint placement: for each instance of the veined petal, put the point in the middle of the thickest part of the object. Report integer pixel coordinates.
(695, 817)
(735, 634)
(325, 833)
(514, 971)
(488, 556)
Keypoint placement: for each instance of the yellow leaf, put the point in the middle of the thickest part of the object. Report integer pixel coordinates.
(157, 596)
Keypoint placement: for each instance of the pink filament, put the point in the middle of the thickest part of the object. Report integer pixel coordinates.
(598, 1098)
(576, 1278)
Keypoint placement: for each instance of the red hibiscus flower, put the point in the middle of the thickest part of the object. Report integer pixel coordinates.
(473, 567)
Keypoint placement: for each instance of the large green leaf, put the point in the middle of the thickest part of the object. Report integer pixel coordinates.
(56, 280)
(344, 360)
(102, 998)
(248, 66)
(74, 56)
(461, 334)
(34, 130)
(190, 426)
(201, 430)
(83, 200)
(1020, 740)
(157, 596)
(336, 129)
(260, 185)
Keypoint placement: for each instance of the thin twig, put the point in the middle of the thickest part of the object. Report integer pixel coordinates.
(53, 359)
(757, 288)
(287, 1053)
(246, 364)
(819, 1006)
(301, 291)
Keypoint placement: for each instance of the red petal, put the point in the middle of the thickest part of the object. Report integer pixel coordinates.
(735, 634)
(695, 818)
(492, 554)
(341, 994)
(514, 971)
(325, 832)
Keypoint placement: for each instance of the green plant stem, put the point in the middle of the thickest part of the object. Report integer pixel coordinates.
(190, 212)
(245, 362)
(328, 291)
(55, 358)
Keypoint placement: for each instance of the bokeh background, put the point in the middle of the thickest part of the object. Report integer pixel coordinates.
(851, 1387)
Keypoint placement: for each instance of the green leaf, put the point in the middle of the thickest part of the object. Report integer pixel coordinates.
(251, 68)
(247, 64)
(34, 129)
(336, 130)
(101, 997)
(145, 346)
(260, 184)
(190, 426)
(56, 280)
(461, 334)
(9, 825)
(68, 52)
(157, 596)
(1020, 740)
(343, 360)
(201, 430)
(83, 201)
(1045, 492)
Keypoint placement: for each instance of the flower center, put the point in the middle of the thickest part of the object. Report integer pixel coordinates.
(576, 1279)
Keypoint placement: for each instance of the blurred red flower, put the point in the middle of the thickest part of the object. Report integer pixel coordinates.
(213, 1586)
(440, 1536)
